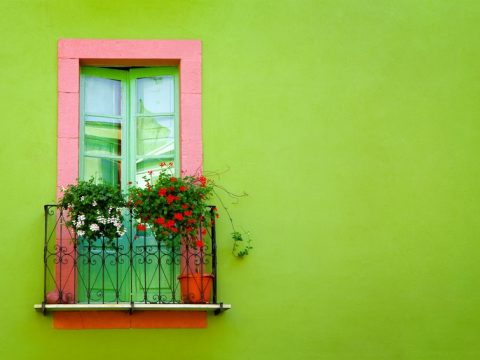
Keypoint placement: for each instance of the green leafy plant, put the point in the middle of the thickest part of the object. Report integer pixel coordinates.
(94, 210)
(172, 207)
(241, 247)
(178, 208)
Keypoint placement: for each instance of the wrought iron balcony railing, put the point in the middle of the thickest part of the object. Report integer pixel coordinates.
(128, 272)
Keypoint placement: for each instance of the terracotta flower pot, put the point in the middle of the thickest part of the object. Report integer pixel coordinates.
(53, 297)
(196, 288)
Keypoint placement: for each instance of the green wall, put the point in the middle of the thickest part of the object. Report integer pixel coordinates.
(353, 125)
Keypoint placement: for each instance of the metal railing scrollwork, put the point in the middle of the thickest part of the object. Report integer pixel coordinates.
(131, 269)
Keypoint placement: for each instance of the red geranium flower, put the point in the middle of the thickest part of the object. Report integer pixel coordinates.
(141, 227)
(204, 232)
(183, 188)
(178, 216)
(170, 199)
(162, 192)
(159, 220)
(184, 206)
(188, 213)
(170, 223)
(162, 164)
(173, 179)
(203, 180)
(199, 243)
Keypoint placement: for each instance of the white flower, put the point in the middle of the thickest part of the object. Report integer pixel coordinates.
(101, 220)
(82, 198)
(63, 188)
(121, 232)
(94, 227)
(80, 221)
(94, 203)
(80, 232)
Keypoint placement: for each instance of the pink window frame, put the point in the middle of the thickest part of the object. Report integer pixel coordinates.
(72, 54)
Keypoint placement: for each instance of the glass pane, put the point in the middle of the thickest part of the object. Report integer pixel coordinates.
(108, 170)
(155, 135)
(103, 96)
(145, 165)
(155, 95)
(103, 136)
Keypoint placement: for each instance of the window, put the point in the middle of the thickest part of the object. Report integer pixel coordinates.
(128, 122)
(128, 126)
(186, 57)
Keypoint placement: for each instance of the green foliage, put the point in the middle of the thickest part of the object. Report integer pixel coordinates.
(94, 209)
(173, 207)
(241, 247)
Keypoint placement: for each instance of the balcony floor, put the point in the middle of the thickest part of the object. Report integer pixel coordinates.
(217, 308)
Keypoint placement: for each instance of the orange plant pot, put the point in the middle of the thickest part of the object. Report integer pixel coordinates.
(196, 288)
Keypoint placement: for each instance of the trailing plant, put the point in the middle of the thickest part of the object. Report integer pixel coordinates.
(241, 246)
(94, 210)
(178, 208)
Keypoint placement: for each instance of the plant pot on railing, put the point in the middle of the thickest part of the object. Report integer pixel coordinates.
(196, 288)
(53, 297)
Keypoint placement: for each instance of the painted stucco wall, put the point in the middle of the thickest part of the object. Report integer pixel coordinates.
(353, 125)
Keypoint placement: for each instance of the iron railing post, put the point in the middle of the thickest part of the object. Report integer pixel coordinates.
(214, 254)
(46, 210)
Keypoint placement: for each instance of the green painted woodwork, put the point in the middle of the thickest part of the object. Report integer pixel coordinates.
(102, 136)
(353, 126)
(129, 132)
(146, 133)
(149, 123)
(126, 137)
(103, 154)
